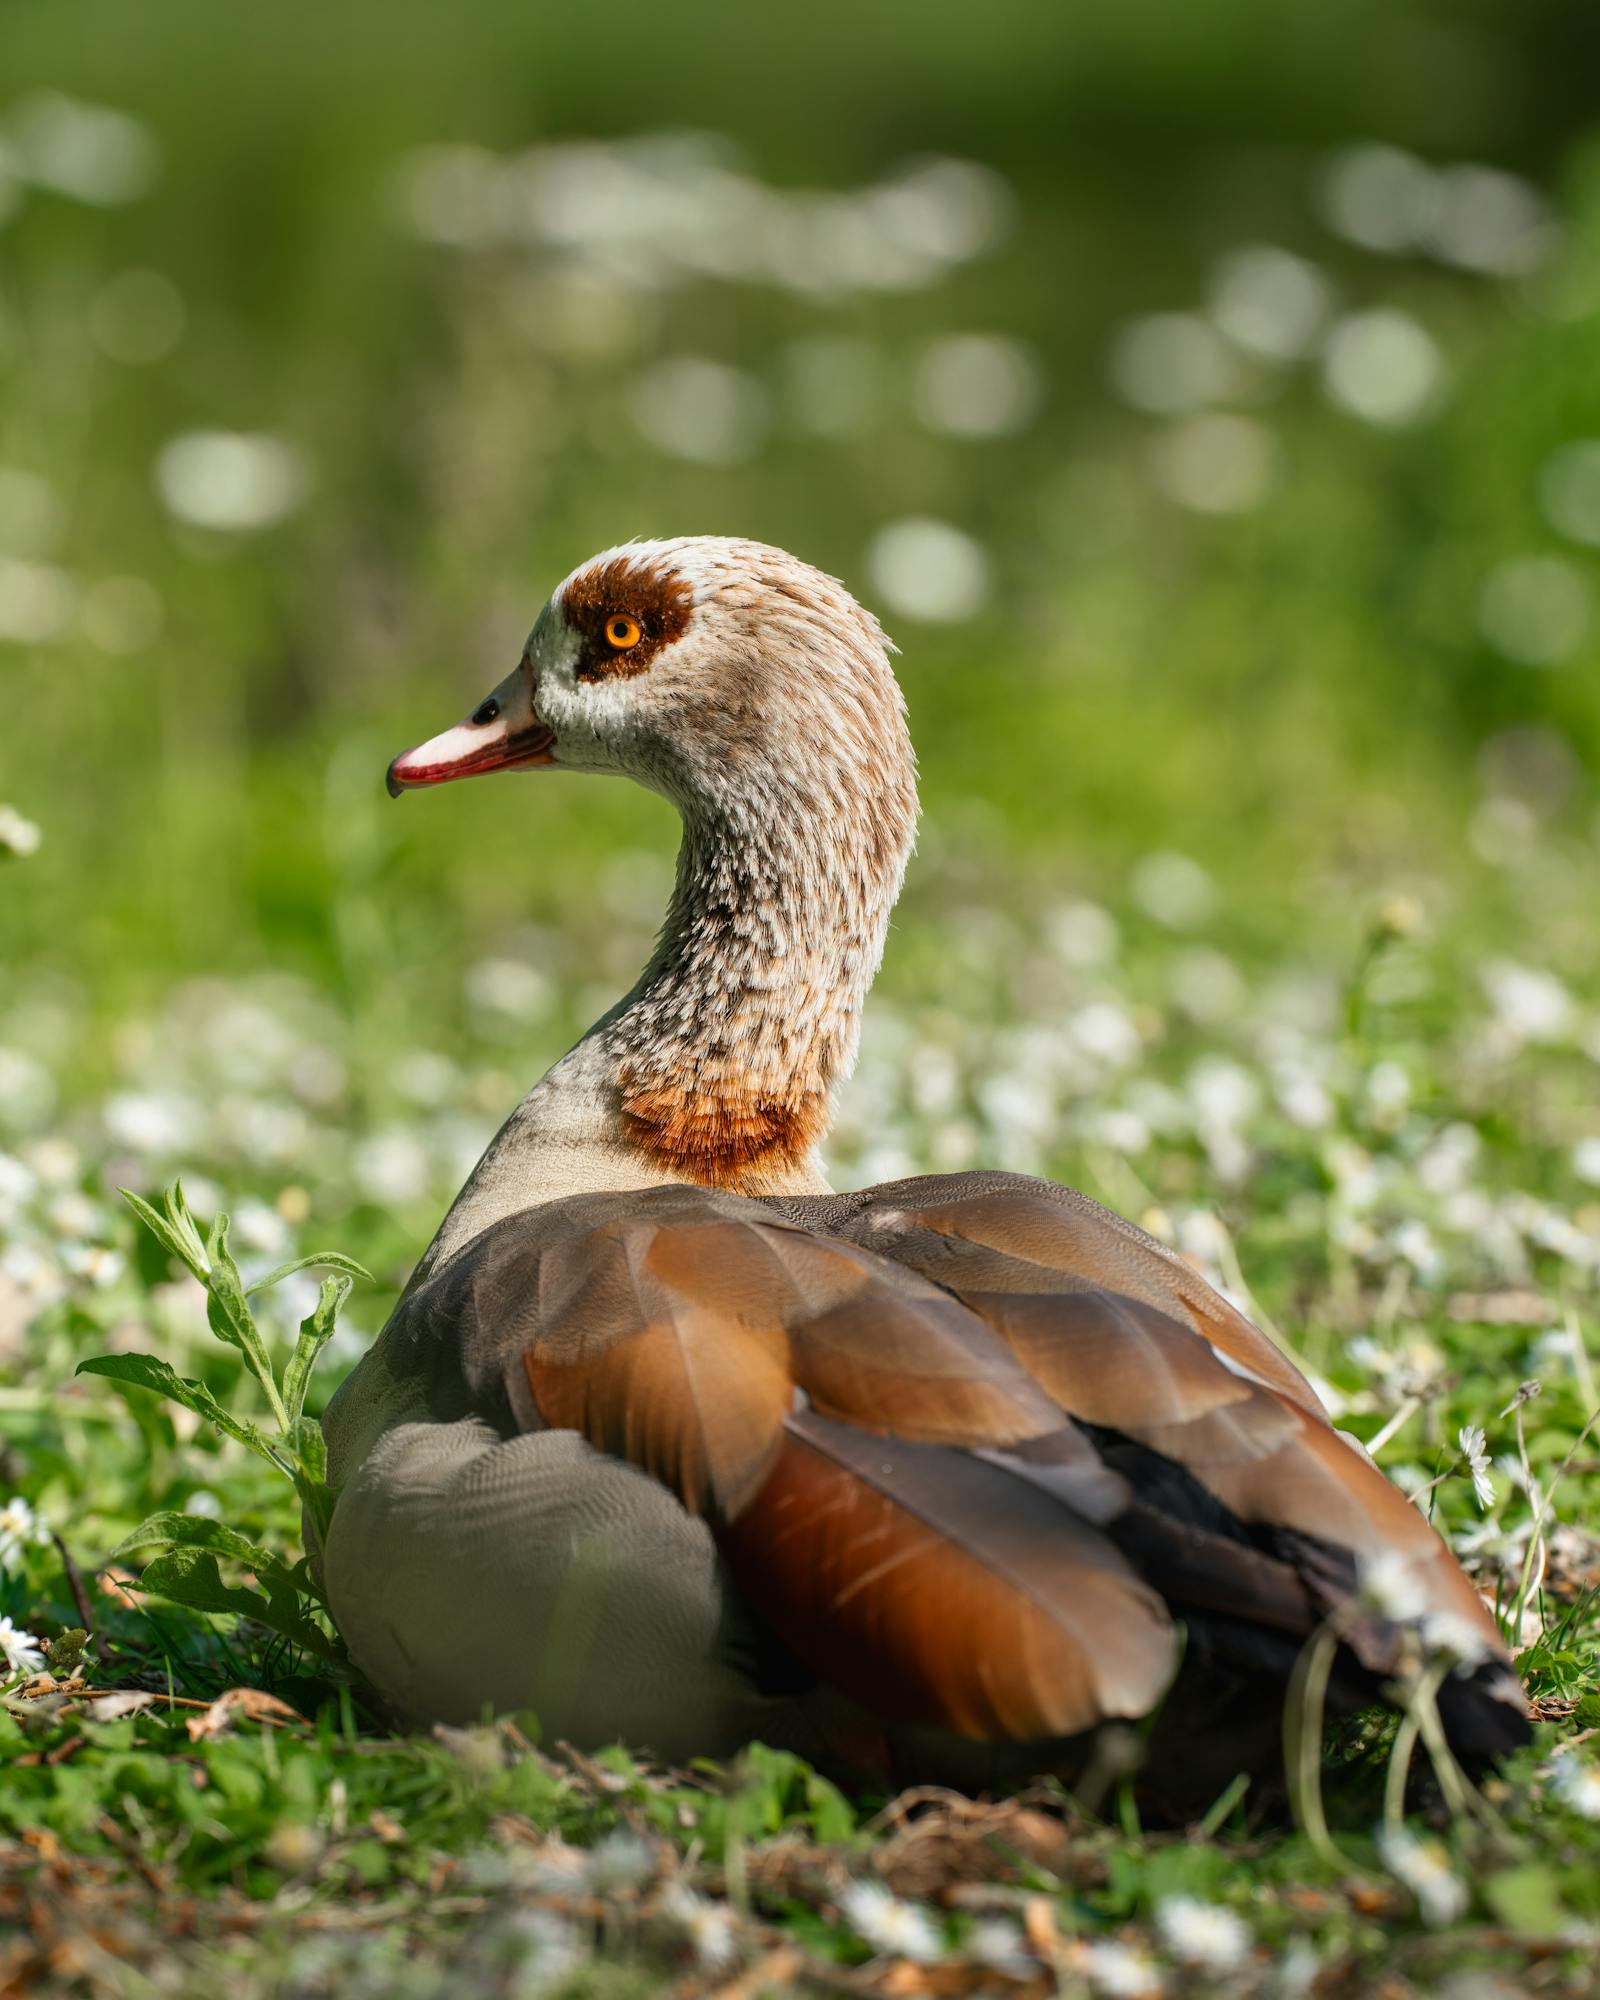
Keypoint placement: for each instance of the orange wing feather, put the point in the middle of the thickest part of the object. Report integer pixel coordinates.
(935, 1587)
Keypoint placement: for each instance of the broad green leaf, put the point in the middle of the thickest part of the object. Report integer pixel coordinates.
(323, 1260)
(190, 1576)
(196, 1531)
(148, 1371)
(315, 1332)
(281, 1579)
(301, 1580)
(831, 1817)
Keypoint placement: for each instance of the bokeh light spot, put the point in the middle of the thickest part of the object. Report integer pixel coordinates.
(1215, 464)
(233, 481)
(1493, 222)
(1270, 302)
(977, 385)
(927, 569)
(1569, 490)
(36, 601)
(1171, 363)
(86, 151)
(701, 410)
(1379, 197)
(1175, 890)
(1383, 367)
(1536, 610)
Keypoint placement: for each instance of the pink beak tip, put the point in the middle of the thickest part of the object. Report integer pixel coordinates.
(480, 744)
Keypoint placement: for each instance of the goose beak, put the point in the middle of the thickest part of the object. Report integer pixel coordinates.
(501, 734)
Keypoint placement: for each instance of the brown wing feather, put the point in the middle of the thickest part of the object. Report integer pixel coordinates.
(1113, 1360)
(649, 1370)
(699, 1408)
(994, 1232)
(1317, 1484)
(1122, 1334)
(674, 1327)
(940, 1588)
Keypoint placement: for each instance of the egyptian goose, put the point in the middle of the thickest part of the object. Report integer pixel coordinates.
(667, 1442)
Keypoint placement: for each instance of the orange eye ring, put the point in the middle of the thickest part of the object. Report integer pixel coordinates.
(623, 632)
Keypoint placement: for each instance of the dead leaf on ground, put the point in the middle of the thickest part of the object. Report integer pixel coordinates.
(240, 1704)
(112, 1707)
(772, 1973)
(953, 1840)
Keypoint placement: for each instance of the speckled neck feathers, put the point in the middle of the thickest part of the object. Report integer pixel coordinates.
(750, 1011)
(798, 798)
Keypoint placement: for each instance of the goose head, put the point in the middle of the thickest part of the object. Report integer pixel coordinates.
(724, 674)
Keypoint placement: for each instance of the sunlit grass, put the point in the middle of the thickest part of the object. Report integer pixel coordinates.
(1379, 1147)
(1244, 566)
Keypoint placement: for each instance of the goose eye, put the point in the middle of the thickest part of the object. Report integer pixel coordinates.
(623, 632)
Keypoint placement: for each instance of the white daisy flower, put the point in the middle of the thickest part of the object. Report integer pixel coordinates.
(620, 1861)
(544, 1950)
(20, 1530)
(1530, 1003)
(1391, 1587)
(1576, 1784)
(1456, 1638)
(1413, 1242)
(18, 836)
(1424, 1868)
(896, 1929)
(998, 1944)
(707, 1928)
(1298, 1969)
(23, 1652)
(1203, 1934)
(1475, 1449)
(1120, 1971)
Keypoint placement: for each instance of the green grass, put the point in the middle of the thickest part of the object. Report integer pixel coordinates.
(284, 1847)
(1349, 1066)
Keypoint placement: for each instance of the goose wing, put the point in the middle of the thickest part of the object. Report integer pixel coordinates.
(1127, 1338)
(824, 1410)
(969, 1446)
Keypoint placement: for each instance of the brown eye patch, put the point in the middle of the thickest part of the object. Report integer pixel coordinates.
(624, 612)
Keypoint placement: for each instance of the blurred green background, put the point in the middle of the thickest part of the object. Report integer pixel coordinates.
(1204, 394)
